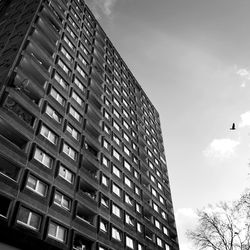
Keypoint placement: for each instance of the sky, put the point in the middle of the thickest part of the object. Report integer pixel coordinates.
(192, 58)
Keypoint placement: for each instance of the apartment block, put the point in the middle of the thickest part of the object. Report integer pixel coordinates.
(82, 162)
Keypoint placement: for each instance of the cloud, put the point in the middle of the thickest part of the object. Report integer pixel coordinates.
(101, 7)
(244, 74)
(245, 119)
(186, 219)
(221, 148)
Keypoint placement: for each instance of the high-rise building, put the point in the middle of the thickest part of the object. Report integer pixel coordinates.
(82, 162)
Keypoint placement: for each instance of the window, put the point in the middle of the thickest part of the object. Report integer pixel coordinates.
(53, 114)
(106, 144)
(163, 214)
(116, 155)
(161, 200)
(126, 150)
(126, 137)
(138, 208)
(116, 91)
(155, 207)
(154, 192)
(65, 52)
(72, 34)
(139, 246)
(77, 98)
(129, 242)
(165, 231)
(157, 224)
(127, 165)
(107, 102)
(81, 71)
(159, 185)
(126, 114)
(125, 124)
(116, 234)
(57, 232)
(128, 182)
(134, 146)
(64, 67)
(136, 174)
(105, 161)
(66, 174)
(125, 103)
(73, 23)
(116, 140)
(129, 220)
(128, 200)
(167, 247)
(135, 160)
(159, 242)
(36, 185)
(61, 81)
(104, 202)
(116, 113)
(152, 178)
(82, 59)
(106, 129)
(28, 218)
(78, 84)
(139, 227)
(106, 115)
(69, 151)
(103, 226)
(134, 134)
(104, 180)
(137, 191)
(58, 97)
(74, 14)
(84, 50)
(43, 158)
(70, 44)
(158, 173)
(62, 201)
(73, 132)
(74, 113)
(116, 126)
(48, 134)
(116, 171)
(116, 190)
(116, 210)
(151, 165)
(149, 153)
(116, 101)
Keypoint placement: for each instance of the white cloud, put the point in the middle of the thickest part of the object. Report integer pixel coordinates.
(243, 72)
(245, 119)
(221, 148)
(101, 7)
(244, 75)
(186, 219)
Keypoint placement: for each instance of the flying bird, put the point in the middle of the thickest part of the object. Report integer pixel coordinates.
(233, 127)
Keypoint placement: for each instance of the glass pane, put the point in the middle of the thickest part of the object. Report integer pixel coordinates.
(23, 215)
(31, 182)
(52, 229)
(35, 220)
(61, 233)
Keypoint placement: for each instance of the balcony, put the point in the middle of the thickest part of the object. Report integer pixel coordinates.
(31, 67)
(16, 109)
(41, 40)
(28, 87)
(85, 218)
(96, 88)
(51, 33)
(88, 193)
(12, 135)
(82, 243)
